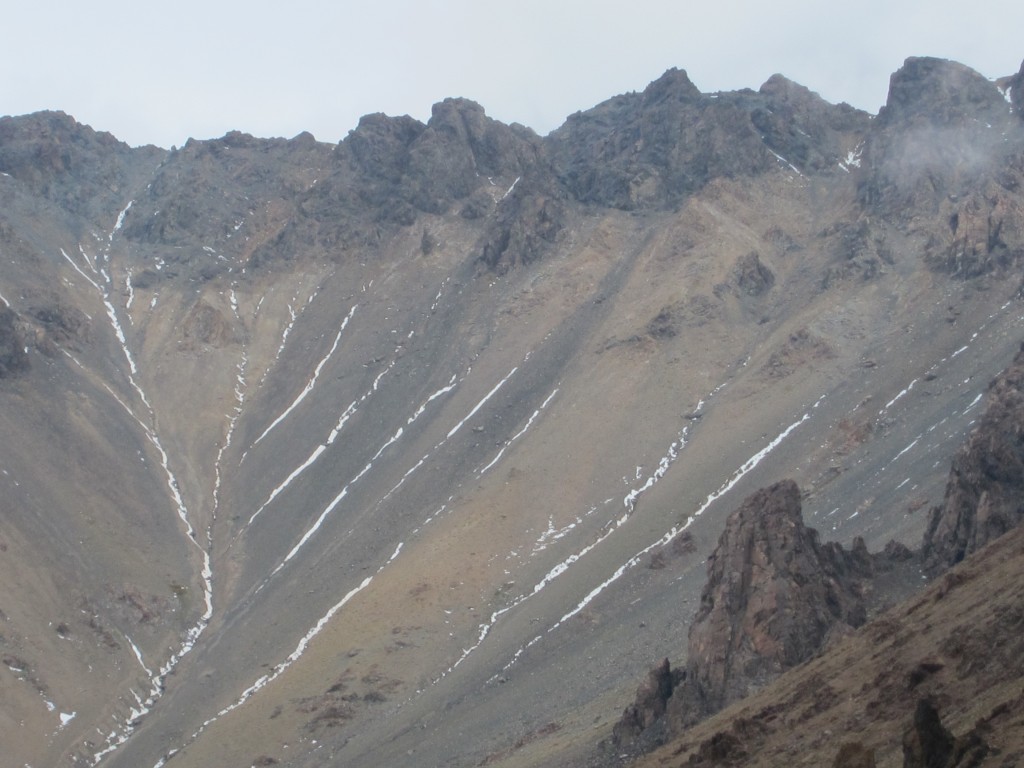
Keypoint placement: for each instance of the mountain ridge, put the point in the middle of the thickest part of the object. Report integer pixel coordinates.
(290, 411)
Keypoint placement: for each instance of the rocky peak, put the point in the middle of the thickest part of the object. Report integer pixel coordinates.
(943, 129)
(379, 143)
(943, 162)
(940, 92)
(773, 596)
(84, 171)
(985, 490)
(652, 150)
(799, 125)
(675, 84)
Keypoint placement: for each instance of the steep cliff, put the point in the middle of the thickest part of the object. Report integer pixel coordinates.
(985, 494)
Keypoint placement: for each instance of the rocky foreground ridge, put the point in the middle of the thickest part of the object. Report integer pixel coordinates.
(775, 599)
(410, 449)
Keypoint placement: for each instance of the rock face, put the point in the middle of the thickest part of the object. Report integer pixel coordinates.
(958, 197)
(985, 494)
(774, 598)
(928, 744)
(651, 149)
(249, 360)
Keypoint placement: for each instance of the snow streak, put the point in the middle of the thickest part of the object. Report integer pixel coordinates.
(629, 502)
(746, 467)
(280, 668)
(322, 448)
(519, 434)
(312, 382)
(102, 281)
(480, 405)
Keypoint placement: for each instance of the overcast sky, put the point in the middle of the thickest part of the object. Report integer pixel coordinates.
(161, 73)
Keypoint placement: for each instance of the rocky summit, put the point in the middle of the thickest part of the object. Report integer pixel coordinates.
(415, 449)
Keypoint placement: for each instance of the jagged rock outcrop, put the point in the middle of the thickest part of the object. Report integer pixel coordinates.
(527, 225)
(651, 702)
(928, 744)
(652, 149)
(775, 597)
(985, 494)
(203, 193)
(803, 128)
(73, 166)
(944, 162)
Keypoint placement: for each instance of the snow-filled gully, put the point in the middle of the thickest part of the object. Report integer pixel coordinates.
(280, 668)
(315, 527)
(304, 642)
(313, 379)
(101, 280)
(629, 502)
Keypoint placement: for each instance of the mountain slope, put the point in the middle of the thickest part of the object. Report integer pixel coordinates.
(362, 450)
(956, 645)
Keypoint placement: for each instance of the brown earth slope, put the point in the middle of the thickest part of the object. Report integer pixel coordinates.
(409, 450)
(774, 595)
(959, 645)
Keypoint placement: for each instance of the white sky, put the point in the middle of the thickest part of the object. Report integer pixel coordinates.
(160, 74)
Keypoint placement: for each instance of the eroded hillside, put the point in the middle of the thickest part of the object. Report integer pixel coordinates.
(409, 450)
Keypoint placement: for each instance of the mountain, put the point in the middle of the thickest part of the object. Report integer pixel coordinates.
(410, 450)
(776, 599)
(933, 681)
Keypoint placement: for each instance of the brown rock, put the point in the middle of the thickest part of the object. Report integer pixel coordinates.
(651, 699)
(752, 277)
(773, 598)
(986, 482)
(926, 743)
